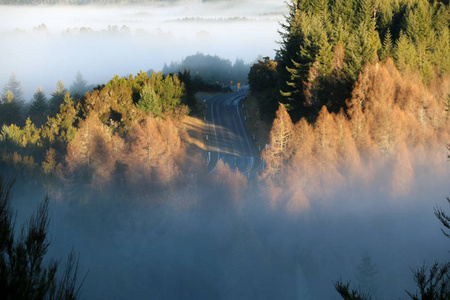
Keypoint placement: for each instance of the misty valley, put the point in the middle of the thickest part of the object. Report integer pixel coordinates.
(225, 150)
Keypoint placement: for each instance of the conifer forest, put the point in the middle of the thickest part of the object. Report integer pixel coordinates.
(254, 149)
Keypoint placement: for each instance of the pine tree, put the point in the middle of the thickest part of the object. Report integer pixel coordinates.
(10, 110)
(150, 102)
(12, 102)
(365, 13)
(24, 271)
(387, 49)
(15, 87)
(419, 29)
(288, 63)
(57, 98)
(366, 276)
(38, 108)
(441, 53)
(404, 52)
(343, 10)
(79, 85)
(362, 49)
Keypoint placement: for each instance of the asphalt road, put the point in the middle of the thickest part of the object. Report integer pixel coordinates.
(226, 134)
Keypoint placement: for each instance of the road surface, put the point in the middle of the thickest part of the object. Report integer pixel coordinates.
(226, 134)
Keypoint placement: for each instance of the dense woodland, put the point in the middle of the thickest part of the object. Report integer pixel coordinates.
(364, 88)
(358, 95)
(126, 131)
(359, 92)
(211, 69)
(326, 44)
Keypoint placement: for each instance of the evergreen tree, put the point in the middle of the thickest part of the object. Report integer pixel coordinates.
(10, 109)
(419, 29)
(185, 78)
(57, 98)
(263, 80)
(79, 85)
(441, 54)
(387, 49)
(150, 102)
(360, 51)
(12, 102)
(365, 13)
(366, 277)
(38, 108)
(24, 274)
(15, 87)
(343, 10)
(404, 52)
(288, 62)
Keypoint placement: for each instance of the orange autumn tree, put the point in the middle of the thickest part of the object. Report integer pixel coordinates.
(90, 154)
(278, 153)
(234, 181)
(155, 153)
(393, 123)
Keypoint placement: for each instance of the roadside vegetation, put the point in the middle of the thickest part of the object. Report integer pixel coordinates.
(357, 98)
(357, 95)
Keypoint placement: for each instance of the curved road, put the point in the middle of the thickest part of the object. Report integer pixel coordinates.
(226, 134)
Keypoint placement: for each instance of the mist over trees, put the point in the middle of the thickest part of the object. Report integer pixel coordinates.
(129, 127)
(358, 106)
(356, 102)
(11, 102)
(24, 274)
(326, 44)
(79, 85)
(211, 69)
(364, 91)
(393, 119)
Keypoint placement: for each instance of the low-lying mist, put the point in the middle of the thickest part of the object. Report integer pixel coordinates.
(42, 44)
(207, 245)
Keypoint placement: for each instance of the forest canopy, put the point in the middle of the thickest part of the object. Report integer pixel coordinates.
(211, 69)
(364, 88)
(128, 126)
(325, 45)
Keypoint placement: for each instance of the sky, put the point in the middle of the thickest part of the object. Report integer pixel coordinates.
(101, 42)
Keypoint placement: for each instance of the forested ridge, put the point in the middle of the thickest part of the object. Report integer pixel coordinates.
(128, 131)
(393, 125)
(364, 87)
(211, 69)
(358, 102)
(359, 95)
(325, 45)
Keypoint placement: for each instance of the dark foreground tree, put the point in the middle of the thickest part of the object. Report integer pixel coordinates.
(23, 273)
(432, 283)
(38, 108)
(348, 293)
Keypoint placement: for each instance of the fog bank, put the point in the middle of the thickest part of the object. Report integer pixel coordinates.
(101, 42)
(217, 248)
